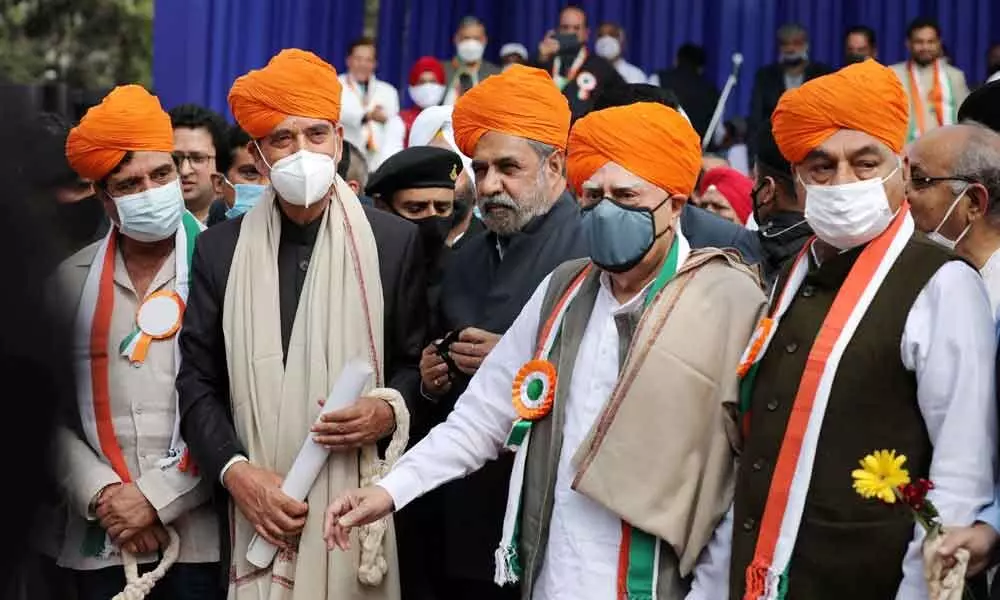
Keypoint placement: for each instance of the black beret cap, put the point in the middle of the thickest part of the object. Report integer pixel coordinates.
(416, 167)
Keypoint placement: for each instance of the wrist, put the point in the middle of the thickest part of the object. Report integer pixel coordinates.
(387, 406)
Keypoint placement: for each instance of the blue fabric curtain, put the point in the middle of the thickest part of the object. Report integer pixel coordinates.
(655, 29)
(201, 46)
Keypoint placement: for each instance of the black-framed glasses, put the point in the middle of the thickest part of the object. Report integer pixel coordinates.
(923, 183)
(197, 158)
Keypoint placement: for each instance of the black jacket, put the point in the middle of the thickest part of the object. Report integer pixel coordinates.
(768, 86)
(203, 378)
(703, 229)
(697, 95)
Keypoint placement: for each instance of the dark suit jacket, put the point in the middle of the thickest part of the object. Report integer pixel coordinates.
(203, 378)
(704, 229)
(697, 95)
(768, 86)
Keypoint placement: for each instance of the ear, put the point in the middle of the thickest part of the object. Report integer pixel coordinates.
(556, 163)
(338, 130)
(218, 182)
(676, 204)
(768, 191)
(979, 201)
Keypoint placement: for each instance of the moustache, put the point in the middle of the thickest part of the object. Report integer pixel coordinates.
(499, 201)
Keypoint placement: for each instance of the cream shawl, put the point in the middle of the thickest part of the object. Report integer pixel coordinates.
(339, 317)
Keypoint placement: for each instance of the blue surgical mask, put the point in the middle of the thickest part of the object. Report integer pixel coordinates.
(247, 196)
(619, 236)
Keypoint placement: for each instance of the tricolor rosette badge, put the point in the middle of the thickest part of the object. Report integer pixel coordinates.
(534, 389)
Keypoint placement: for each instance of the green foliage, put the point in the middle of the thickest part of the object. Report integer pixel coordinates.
(89, 44)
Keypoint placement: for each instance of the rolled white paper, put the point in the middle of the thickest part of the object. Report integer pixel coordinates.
(312, 456)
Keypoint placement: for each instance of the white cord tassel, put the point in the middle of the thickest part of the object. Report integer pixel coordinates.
(373, 565)
(137, 587)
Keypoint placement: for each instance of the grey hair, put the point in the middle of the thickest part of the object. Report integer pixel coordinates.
(791, 30)
(469, 21)
(544, 151)
(979, 161)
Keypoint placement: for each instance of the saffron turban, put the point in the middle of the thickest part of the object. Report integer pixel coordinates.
(651, 140)
(864, 97)
(521, 101)
(129, 119)
(294, 82)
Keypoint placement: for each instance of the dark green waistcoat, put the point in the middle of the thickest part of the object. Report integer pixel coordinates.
(847, 547)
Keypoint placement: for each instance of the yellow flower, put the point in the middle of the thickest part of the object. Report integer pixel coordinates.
(880, 474)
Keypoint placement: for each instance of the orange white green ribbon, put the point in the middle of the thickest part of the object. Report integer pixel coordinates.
(92, 357)
(940, 96)
(766, 576)
(533, 394)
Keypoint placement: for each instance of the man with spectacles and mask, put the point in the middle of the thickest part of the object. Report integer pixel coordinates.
(199, 139)
(282, 298)
(778, 211)
(132, 490)
(876, 339)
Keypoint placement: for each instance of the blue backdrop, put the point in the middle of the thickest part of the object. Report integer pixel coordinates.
(200, 46)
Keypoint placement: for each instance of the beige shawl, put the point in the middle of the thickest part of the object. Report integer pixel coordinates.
(339, 317)
(662, 453)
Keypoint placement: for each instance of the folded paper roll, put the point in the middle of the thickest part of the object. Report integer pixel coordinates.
(312, 456)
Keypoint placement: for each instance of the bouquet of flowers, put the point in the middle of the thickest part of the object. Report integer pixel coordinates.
(882, 476)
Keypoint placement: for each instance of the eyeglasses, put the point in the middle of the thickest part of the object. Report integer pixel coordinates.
(197, 158)
(923, 183)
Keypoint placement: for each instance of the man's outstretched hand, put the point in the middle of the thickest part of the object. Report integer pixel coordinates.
(353, 509)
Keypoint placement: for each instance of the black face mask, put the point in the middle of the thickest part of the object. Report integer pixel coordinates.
(433, 233)
(755, 204)
(855, 58)
(569, 44)
(459, 212)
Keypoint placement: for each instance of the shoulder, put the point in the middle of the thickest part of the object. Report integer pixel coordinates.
(898, 68)
(726, 274)
(954, 72)
(384, 87)
(78, 263)
(818, 69)
(768, 71)
(219, 241)
(386, 226)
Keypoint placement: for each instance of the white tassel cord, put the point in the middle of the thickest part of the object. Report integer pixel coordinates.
(373, 565)
(137, 587)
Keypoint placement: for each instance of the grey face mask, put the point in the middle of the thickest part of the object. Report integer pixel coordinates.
(619, 236)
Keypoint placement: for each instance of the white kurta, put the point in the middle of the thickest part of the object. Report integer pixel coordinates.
(355, 102)
(949, 344)
(629, 72)
(581, 558)
(991, 276)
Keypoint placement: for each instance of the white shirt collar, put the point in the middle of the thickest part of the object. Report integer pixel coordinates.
(637, 302)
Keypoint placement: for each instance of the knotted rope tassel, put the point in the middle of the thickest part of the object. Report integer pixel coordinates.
(373, 565)
(137, 587)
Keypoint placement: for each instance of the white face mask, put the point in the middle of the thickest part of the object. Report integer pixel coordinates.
(427, 94)
(151, 215)
(848, 215)
(470, 51)
(302, 178)
(936, 236)
(608, 47)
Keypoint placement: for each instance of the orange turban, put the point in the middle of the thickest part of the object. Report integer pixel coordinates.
(651, 140)
(129, 119)
(865, 97)
(521, 101)
(294, 82)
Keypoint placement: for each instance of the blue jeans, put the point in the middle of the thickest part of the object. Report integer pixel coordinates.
(184, 581)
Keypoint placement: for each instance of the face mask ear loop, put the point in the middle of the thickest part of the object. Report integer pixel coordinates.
(261, 152)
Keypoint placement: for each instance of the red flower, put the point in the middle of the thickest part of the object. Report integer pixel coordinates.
(915, 494)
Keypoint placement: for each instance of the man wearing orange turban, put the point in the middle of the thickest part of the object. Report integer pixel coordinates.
(128, 291)
(514, 126)
(638, 479)
(876, 339)
(282, 299)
